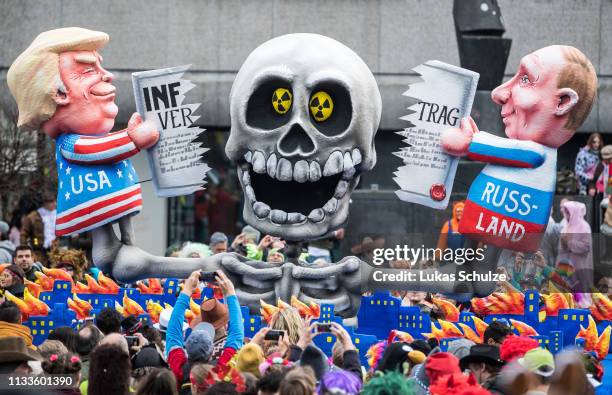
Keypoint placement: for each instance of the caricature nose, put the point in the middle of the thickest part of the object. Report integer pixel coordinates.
(501, 94)
(107, 76)
(296, 142)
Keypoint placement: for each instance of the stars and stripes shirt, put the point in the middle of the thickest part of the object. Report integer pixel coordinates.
(517, 185)
(97, 182)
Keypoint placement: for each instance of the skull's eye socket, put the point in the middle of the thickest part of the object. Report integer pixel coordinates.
(282, 100)
(260, 114)
(330, 108)
(321, 106)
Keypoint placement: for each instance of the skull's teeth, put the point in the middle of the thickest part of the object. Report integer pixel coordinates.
(271, 165)
(284, 172)
(334, 164)
(259, 162)
(300, 171)
(261, 209)
(303, 171)
(314, 171)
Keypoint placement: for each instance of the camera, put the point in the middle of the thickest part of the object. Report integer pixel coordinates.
(208, 277)
(274, 335)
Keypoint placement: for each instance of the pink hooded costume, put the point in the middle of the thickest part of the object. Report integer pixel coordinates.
(576, 246)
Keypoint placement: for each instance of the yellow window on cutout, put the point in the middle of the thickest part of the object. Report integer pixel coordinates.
(281, 100)
(321, 106)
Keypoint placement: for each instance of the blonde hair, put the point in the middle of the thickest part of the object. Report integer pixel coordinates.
(288, 320)
(579, 75)
(34, 77)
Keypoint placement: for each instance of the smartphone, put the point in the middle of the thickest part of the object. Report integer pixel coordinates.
(208, 277)
(274, 335)
(323, 327)
(131, 340)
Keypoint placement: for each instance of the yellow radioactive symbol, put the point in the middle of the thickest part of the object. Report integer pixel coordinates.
(321, 106)
(281, 100)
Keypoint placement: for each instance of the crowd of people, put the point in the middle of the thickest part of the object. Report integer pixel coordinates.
(114, 354)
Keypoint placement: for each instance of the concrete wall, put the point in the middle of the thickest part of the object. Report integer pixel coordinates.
(392, 36)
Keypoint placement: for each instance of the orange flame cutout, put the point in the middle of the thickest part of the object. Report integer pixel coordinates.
(151, 287)
(601, 307)
(589, 334)
(194, 307)
(314, 310)
(80, 288)
(108, 284)
(267, 310)
(58, 274)
(154, 309)
(282, 305)
(130, 307)
(603, 343)
(81, 307)
(93, 285)
(44, 281)
(553, 303)
(447, 329)
(451, 312)
(480, 325)
(522, 328)
(34, 288)
(23, 306)
(469, 333)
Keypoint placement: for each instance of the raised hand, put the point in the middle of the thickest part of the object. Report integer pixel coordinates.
(456, 141)
(143, 134)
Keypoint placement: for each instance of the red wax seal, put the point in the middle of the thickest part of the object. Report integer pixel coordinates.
(437, 192)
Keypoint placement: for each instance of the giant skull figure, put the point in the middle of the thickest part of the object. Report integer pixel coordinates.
(304, 112)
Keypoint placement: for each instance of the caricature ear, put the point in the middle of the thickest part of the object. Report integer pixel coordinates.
(61, 98)
(567, 100)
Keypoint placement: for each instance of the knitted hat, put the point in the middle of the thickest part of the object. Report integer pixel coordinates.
(199, 345)
(315, 358)
(248, 359)
(441, 364)
(4, 228)
(606, 152)
(460, 347)
(252, 233)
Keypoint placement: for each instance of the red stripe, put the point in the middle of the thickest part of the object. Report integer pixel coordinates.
(90, 209)
(499, 161)
(530, 241)
(98, 218)
(112, 159)
(101, 147)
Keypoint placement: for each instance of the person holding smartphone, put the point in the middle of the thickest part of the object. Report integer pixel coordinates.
(198, 347)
